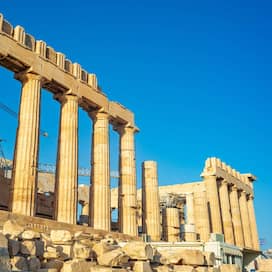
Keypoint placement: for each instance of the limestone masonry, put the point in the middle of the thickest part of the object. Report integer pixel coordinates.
(208, 225)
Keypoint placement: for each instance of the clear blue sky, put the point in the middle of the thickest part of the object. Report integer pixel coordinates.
(197, 74)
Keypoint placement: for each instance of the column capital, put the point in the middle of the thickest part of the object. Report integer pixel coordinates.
(64, 97)
(26, 76)
(99, 114)
(224, 182)
(122, 128)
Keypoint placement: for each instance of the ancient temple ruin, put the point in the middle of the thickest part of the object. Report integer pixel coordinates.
(189, 215)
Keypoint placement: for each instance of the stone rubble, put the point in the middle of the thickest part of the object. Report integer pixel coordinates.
(63, 251)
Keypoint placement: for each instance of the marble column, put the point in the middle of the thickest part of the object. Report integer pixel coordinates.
(245, 219)
(127, 191)
(253, 223)
(171, 227)
(100, 203)
(226, 214)
(190, 209)
(150, 201)
(213, 203)
(236, 217)
(202, 221)
(25, 162)
(67, 163)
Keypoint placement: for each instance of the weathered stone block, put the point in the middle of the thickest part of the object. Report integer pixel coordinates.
(184, 268)
(170, 257)
(229, 268)
(81, 251)
(138, 251)
(113, 258)
(142, 266)
(202, 269)
(77, 266)
(61, 236)
(33, 263)
(11, 229)
(65, 252)
(51, 255)
(4, 254)
(19, 263)
(30, 235)
(209, 258)
(101, 248)
(53, 264)
(213, 269)
(28, 247)
(161, 268)
(13, 247)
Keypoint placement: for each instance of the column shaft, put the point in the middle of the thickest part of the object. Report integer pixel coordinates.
(213, 203)
(171, 227)
(253, 223)
(226, 214)
(190, 209)
(67, 162)
(202, 221)
(236, 217)
(245, 219)
(100, 210)
(127, 192)
(25, 162)
(150, 200)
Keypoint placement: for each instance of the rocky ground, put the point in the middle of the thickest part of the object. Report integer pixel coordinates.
(63, 251)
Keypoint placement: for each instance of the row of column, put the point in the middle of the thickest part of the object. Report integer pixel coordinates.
(231, 213)
(24, 179)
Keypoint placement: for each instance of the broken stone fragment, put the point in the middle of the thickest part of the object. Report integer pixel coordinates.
(29, 235)
(51, 255)
(102, 247)
(52, 264)
(33, 263)
(202, 269)
(77, 266)
(161, 268)
(142, 266)
(81, 251)
(47, 270)
(65, 252)
(61, 237)
(184, 268)
(19, 263)
(28, 247)
(12, 229)
(138, 251)
(113, 258)
(229, 268)
(170, 257)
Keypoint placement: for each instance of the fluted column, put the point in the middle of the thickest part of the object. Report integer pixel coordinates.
(67, 162)
(245, 219)
(213, 203)
(202, 221)
(127, 191)
(100, 210)
(150, 200)
(171, 227)
(25, 162)
(190, 209)
(236, 217)
(84, 217)
(226, 214)
(253, 223)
